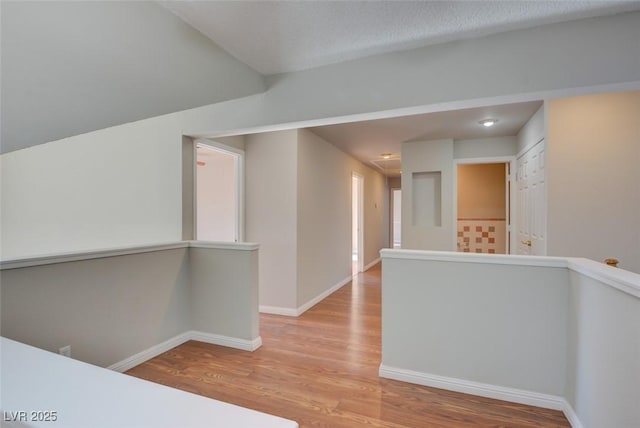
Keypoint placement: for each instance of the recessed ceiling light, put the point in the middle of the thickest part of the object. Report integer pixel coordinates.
(488, 122)
(385, 155)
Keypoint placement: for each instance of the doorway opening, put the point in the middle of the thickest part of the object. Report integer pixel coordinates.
(357, 220)
(483, 207)
(396, 218)
(218, 213)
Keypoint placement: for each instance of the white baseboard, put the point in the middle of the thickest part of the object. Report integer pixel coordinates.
(275, 310)
(302, 309)
(372, 264)
(154, 351)
(513, 395)
(230, 342)
(571, 416)
(147, 354)
(475, 388)
(320, 297)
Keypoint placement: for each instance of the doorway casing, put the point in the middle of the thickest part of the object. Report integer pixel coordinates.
(189, 186)
(510, 196)
(357, 204)
(395, 217)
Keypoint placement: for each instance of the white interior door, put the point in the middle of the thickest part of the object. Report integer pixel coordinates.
(532, 202)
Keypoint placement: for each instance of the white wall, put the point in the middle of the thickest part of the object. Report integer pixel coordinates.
(604, 54)
(324, 215)
(217, 204)
(45, 189)
(485, 147)
(487, 323)
(532, 132)
(593, 146)
(376, 213)
(271, 213)
(553, 332)
(115, 187)
(419, 157)
(396, 217)
(115, 304)
(106, 309)
(299, 210)
(223, 291)
(73, 67)
(603, 372)
(439, 156)
(602, 50)
(235, 141)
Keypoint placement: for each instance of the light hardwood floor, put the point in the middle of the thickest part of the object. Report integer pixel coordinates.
(321, 370)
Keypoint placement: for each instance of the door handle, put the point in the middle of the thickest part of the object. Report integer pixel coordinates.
(612, 262)
(527, 243)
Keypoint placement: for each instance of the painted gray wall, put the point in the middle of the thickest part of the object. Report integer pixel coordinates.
(427, 156)
(593, 153)
(602, 50)
(603, 372)
(604, 55)
(73, 67)
(111, 308)
(298, 199)
(485, 147)
(324, 215)
(496, 324)
(111, 188)
(235, 141)
(532, 132)
(271, 213)
(224, 292)
(107, 309)
(543, 329)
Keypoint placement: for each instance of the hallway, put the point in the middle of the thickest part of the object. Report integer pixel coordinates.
(321, 369)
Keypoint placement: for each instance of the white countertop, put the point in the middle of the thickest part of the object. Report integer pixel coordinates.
(83, 395)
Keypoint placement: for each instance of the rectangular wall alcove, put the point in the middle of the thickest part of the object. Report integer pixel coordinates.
(427, 199)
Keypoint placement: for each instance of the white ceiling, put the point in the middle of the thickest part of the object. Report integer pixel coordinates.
(283, 36)
(367, 140)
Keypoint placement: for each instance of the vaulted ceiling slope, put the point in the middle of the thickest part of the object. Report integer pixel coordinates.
(283, 36)
(73, 67)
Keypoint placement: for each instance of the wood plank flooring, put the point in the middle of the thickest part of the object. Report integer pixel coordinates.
(321, 370)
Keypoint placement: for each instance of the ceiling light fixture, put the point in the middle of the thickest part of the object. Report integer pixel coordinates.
(488, 122)
(385, 155)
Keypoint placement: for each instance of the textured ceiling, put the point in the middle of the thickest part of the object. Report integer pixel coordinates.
(283, 36)
(367, 140)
